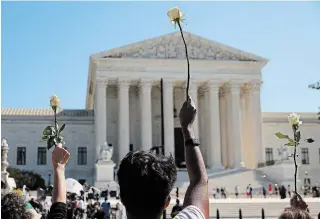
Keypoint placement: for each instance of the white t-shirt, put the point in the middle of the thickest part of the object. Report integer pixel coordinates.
(81, 204)
(190, 212)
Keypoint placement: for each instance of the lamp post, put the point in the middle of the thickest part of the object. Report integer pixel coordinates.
(49, 179)
(306, 183)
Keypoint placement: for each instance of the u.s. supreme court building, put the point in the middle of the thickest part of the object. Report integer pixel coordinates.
(123, 108)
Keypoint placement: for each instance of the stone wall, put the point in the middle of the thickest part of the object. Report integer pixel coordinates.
(20, 132)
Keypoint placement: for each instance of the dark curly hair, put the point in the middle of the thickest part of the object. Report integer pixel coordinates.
(293, 213)
(146, 181)
(14, 207)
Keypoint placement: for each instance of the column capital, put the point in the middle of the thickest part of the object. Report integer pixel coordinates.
(101, 83)
(168, 83)
(123, 83)
(145, 83)
(213, 85)
(254, 86)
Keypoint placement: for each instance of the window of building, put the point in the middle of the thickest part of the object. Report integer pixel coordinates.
(21, 155)
(42, 156)
(305, 156)
(269, 156)
(82, 156)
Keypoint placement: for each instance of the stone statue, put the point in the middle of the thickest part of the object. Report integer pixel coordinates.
(284, 153)
(106, 153)
(9, 182)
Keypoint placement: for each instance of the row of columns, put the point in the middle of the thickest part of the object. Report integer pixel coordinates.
(226, 129)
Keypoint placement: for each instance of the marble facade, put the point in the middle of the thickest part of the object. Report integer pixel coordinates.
(123, 106)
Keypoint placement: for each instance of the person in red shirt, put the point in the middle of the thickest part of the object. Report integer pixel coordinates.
(270, 189)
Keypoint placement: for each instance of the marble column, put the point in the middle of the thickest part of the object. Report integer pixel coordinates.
(123, 125)
(145, 114)
(202, 123)
(235, 134)
(214, 124)
(244, 127)
(228, 118)
(254, 108)
(100, 115)
(193, 92)
(168, 117)
(206, 129)
(223, 128)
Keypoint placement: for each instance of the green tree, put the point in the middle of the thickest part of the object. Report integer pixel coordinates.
(30, 179)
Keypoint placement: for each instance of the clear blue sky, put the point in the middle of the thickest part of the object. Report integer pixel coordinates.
(46, 45)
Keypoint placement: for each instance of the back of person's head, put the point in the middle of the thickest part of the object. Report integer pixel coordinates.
(178, 201)
(295, 213)
(146, 181)
(14, 207)
(106, 198)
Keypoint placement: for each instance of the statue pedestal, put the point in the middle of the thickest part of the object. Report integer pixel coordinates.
(281, 172)
(104, 174)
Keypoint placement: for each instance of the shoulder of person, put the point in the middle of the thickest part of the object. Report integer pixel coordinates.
(190, 212)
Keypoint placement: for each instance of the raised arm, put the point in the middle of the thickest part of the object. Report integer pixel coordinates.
(197, 192)
(60, 157)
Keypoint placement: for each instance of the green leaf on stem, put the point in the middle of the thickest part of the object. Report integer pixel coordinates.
(298, 136)
(291, 142)
(62, 127)
(49, 130)
(281, 136)
(50, 142)
(44, 138)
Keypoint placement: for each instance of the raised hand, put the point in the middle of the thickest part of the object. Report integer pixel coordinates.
(60, 157)
(187, 113)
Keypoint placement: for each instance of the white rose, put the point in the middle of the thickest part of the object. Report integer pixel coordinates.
(294, 119)
(175, 14)
(54, 101)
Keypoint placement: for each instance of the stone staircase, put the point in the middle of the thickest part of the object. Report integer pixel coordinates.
(252, 208)
(228, 178)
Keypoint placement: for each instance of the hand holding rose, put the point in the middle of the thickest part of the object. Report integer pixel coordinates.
(60, 157)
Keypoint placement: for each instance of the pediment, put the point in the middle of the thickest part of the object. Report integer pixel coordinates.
(171, 46)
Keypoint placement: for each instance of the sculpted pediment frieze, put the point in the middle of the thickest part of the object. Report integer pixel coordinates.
(171, 46)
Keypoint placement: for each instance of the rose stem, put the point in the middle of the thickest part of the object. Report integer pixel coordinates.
(294, 158)
(185, 46)
(55, 119)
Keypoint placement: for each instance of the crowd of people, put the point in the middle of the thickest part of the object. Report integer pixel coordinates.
(273, 191)
(145, 180)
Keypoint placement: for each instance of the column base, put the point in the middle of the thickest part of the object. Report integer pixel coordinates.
(238, 165)
(216, 168)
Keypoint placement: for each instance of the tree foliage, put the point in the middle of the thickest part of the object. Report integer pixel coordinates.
(316, 86)
(30, 179)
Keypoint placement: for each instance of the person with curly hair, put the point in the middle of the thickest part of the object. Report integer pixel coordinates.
(146, 179)
(298, 209)
(14, 207)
